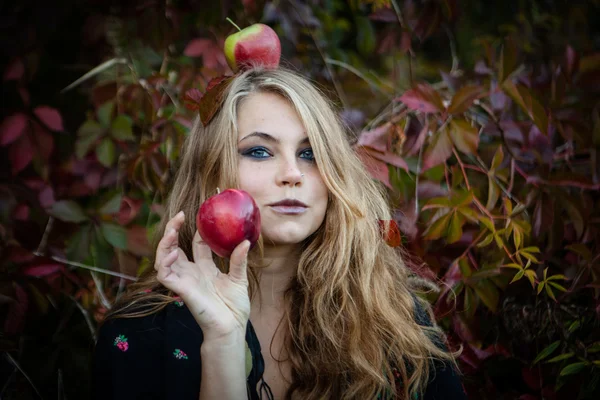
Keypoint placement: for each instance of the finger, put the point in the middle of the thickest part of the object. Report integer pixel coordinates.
(176, 222)
(200, 249)
(164, 268)
(169, 241)
(238, 262)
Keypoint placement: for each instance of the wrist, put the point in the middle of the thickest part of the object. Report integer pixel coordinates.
(224, 341)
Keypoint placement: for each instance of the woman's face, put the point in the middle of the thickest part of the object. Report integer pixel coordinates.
(274, 152)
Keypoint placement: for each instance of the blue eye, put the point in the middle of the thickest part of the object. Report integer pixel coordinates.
(257, 152)
(311, 156)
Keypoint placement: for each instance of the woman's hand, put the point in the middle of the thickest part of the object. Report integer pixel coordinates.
(219, 302)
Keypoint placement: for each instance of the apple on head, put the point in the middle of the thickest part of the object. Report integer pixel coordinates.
(257, 44)
(227, 219)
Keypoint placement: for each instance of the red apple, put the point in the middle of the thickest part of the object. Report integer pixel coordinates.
(227, 219)
(257, 44)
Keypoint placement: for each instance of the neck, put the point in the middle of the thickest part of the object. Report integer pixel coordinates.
(281, 264)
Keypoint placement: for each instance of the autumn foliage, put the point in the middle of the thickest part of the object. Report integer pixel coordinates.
(482, 120)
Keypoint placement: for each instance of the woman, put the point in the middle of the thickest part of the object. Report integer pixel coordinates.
(321, 308)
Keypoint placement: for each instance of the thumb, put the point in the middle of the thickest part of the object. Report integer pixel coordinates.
(238, 262)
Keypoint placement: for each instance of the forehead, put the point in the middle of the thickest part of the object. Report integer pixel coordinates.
(269, 113)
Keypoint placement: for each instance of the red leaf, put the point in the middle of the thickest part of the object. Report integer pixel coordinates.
(212, 100)
(571, 61)
(42, 270)
(15, 319)
(392, 236)
(192, 99)
(377, 138)
(12, 127)
(197, 47)
(129, 210)
(24, 93)
(21, 212)
(46, 197)
(378, 169)
(14, 71)
(137, 241)
(44, 141)
(50, 117)
(20, 154)
(422, 98)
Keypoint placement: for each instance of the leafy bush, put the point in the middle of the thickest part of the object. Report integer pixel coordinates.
(482, 118)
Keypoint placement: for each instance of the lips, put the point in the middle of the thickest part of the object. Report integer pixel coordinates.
(289, 203)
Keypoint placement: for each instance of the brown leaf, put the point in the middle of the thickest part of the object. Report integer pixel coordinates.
(438, 150)
(462, 100)
(464, 136)
(212, 100)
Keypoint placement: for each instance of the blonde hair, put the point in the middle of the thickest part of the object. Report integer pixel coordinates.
(350, 311)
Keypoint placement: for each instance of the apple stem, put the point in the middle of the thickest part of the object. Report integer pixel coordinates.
(233, 23)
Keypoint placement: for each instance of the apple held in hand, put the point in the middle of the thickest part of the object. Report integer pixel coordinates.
(227, 219)
(257, 44)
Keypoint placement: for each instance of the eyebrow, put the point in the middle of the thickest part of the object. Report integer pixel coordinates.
(270, 138)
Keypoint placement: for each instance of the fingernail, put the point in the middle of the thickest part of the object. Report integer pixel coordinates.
(170, 231)
(180, 213)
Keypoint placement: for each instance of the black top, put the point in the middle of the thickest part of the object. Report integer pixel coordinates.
(158, 357)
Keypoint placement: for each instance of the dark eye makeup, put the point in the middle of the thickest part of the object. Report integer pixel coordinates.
(262, 153)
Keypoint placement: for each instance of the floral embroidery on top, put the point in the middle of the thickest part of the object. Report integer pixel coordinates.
(178, 301)
(179, 354)
(121, 343)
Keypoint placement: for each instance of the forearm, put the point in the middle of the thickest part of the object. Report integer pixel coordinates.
(224, 368)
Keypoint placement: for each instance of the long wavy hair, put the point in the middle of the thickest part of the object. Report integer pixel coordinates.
(349, 311)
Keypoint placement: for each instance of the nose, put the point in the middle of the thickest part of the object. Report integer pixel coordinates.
(290, 175)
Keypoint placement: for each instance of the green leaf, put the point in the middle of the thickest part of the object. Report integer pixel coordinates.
(557, 277)
(594, 348)
(557, 286)
(469, 213)
(471, 302)
(463, 199)
(88, 133)
(105, 113)
(572, 368)
(114, 234)
(78, 246)
(112, 206)
(464, 136)
(438, 228)
(464, 267)
(90, 128)
(547, 351)
(508, 59)
(518, 276)
(437, 202)
(580, 249)
(455, 229)
(498, 158)
(550, 293)
(106, 152)
(540, 287)
(531, 275)
(463, 98)
(493, 194)
(488, 293)
(486, 241)
(560, 357)
(68, 211)
(121, 128)
(365, 36)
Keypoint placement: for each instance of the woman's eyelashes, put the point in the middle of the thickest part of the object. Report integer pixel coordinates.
(262, 153)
